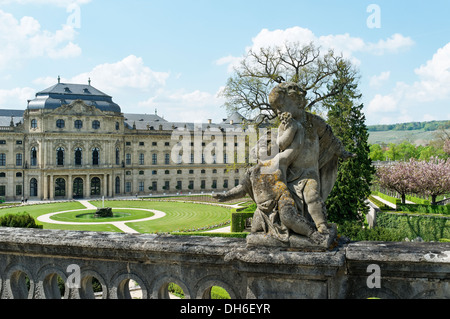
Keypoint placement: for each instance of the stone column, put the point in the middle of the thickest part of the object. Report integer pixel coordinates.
(70, 187)
(52, 188)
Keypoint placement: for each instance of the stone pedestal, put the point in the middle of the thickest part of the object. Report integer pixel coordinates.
(296, 242)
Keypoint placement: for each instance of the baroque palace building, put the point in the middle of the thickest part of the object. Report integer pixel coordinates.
(73, 141)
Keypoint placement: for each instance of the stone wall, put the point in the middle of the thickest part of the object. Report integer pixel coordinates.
(405, 270)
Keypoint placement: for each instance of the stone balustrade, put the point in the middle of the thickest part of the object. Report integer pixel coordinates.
(32, 260)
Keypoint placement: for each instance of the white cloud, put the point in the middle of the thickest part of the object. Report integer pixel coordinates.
(15, 98)
(24, 39)
(383, 104)
(378, 80)
(430, 89)
(340, 43)
(195, 106)
(130, 72)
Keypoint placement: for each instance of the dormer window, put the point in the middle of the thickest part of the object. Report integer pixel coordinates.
(60, 123)
(95, 125)
(86, 91)
(67, 90)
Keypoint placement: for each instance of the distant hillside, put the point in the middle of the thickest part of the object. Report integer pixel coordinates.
(419, 133)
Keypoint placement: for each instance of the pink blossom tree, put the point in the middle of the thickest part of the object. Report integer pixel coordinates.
(433, 178)
(429, 178)
(399, 177)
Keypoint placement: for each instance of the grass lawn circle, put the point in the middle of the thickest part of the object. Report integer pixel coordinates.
(86, 215)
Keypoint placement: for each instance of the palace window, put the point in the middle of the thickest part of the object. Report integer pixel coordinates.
(19, 159)
(60, 187)
(117, 156)
(78, 124)
(167, 159)
(60, 123)
(95, 156)
(117, 185)
(60, 156)
(95, 186)
(33, 123)
(78, 156)
(33, 157)
(95, 125)
(141, 159)
(2, 159)
(128, 159)
(33, 187)
(154, 159)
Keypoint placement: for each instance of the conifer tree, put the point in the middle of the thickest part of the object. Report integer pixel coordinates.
(347, 200)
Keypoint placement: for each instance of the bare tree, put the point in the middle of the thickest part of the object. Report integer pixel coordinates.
(248, 89)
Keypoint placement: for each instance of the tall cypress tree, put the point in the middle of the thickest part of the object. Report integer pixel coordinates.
(346, 201)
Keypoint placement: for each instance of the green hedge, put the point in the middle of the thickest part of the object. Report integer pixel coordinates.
(425, 209)
(429, 228)
(379, 204)
(390, 199)
(20, 220)
(417, 200)
(239, 217)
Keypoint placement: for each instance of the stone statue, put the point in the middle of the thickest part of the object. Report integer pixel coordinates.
(291, 187)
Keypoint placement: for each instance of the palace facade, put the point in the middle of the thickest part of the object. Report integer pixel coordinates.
(73, 141)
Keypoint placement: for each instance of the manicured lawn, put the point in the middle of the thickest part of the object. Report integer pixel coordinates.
(86, 216)
(179, 216)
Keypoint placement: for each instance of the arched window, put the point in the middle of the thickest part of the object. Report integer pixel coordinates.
(60, 187)
(33, 187)
(78, 156)
(95, 186)
(33, 157)
(95, 156)
(60, 156)
(117, 185)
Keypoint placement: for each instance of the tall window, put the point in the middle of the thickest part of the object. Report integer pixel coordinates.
(33, 156)
(2, 159)
(95, 156)
(95, 186)
(78, 156)
(19, 160)
(33, 187)
(128, 159)
(60, 187)
(154, 159)
(60, 156)
(33, 123)
(167, 159)
(141, 159)
(117, 185)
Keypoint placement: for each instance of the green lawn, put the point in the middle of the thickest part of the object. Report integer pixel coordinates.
(179, 216)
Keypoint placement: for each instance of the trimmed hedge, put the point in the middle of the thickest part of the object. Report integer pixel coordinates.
(429, 228)
(239, 217)
(417, 200)
(379, 204)
(390, 199)
(425, 209)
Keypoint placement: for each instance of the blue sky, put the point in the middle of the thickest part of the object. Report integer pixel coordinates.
(175, 56)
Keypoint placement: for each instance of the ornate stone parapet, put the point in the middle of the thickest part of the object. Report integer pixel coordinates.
(31, 260)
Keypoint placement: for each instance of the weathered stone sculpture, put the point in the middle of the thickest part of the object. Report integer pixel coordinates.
(291, 187)
(103, 212)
